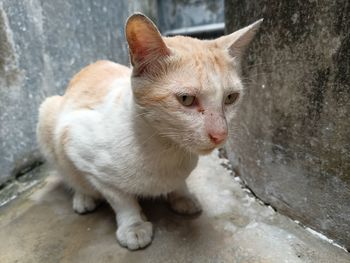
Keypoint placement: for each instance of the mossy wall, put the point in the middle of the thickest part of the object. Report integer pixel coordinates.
(292, 141)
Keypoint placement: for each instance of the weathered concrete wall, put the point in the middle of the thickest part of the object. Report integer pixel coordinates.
(42, 44)
(292, 142)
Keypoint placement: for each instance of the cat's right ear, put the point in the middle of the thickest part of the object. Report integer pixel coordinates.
(238, 41)
(146, 45)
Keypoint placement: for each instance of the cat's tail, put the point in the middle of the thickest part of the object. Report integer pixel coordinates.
(48, 116)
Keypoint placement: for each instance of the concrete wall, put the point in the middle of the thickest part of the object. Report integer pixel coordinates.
(292, 142)
(42, 44)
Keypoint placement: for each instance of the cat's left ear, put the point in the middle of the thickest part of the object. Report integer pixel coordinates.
(238, 41)
(146, 45)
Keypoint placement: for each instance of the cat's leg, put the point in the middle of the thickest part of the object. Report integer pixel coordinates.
(183, 202)
(83, 203)
(85, 198)
(133, 232)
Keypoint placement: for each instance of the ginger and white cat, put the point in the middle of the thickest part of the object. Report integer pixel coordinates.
(120, 133)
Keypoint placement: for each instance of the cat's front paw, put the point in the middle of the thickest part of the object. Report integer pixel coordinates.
(135, 236)
(184, 204)
(83, 204)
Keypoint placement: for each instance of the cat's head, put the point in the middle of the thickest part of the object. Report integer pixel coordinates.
(188, 89)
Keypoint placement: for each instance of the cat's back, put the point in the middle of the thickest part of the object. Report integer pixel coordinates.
(87, 90)
(90, 86)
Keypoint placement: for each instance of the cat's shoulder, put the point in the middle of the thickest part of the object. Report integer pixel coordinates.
(91, 85)
(100, 70)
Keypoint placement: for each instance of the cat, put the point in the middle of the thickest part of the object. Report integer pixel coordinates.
(119, 133)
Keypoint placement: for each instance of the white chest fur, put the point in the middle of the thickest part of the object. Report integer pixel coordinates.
(116, 146)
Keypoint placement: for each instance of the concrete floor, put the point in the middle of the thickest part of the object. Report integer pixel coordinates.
(41, 226)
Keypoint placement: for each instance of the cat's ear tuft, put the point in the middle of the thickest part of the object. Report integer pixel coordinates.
(238, 41)
(145, 42)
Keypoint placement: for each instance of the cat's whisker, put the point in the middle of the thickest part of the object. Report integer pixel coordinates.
(148, 139)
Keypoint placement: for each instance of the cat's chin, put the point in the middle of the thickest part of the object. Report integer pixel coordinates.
(205, 151)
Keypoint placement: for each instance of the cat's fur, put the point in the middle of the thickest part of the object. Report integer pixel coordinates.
(118, 133)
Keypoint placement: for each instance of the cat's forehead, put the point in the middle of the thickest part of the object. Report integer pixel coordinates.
(184, 43)
(191, 46)
(203, 62)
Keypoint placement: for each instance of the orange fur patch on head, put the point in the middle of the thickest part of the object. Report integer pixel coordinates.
(206, 55)
(151, 99)
(148, 95)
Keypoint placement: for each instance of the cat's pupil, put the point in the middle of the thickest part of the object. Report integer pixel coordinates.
(186, 100)
(230, 99)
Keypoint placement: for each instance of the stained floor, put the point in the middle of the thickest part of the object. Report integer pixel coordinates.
(41, 226)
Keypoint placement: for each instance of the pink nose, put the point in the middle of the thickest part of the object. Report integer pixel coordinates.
(218, 137)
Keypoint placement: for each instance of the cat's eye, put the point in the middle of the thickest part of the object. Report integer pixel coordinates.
(231, 98)
(186, 100)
